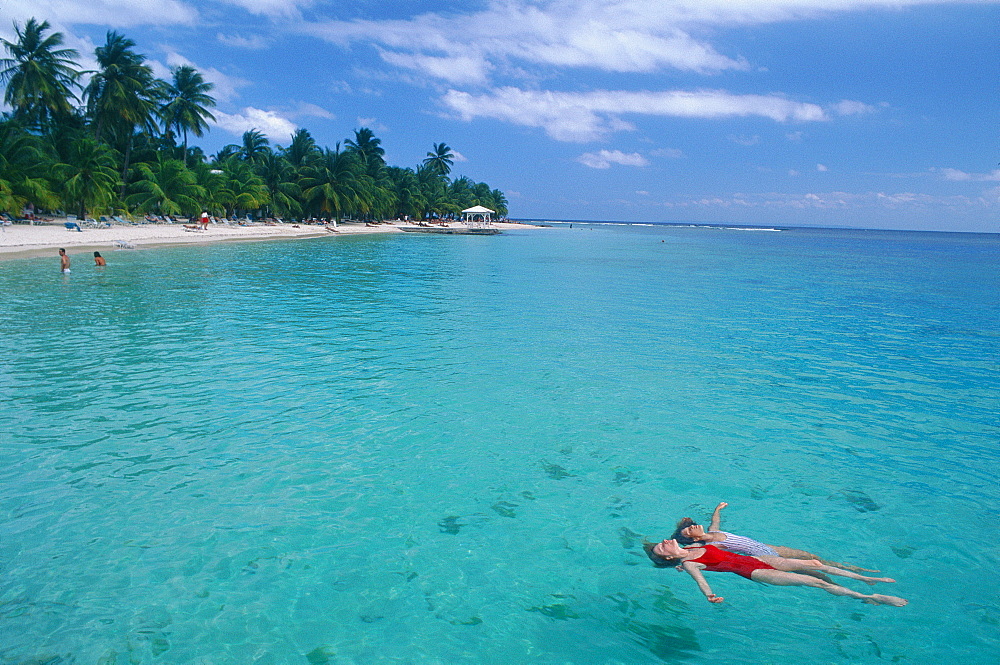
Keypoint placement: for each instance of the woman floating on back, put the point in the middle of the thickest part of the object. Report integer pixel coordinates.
(689, 532)
(719, 551)
(774, 570)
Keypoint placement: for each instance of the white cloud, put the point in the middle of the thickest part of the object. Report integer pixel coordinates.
(962, 176)
(568, 116)
(672, 153)
(612, 36)
(848, 107)
(822, 168)
(268, 123)
(113, 13)
(609, 35)
(457, 156)
(605, 158)
(454, 69)
(273, 8)
(835, 200)
(742, 139)
(253, 42)
(305, 109)
(372, 124)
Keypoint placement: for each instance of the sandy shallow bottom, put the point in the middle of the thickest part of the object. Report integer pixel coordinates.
(27, 241)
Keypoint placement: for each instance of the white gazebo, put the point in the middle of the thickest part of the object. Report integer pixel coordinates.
(478, 216)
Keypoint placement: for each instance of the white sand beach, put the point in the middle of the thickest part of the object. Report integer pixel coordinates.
(41, 239)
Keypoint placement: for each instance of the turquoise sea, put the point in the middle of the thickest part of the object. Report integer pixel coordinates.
(385, 449)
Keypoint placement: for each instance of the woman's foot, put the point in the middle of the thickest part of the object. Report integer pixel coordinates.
(876, 580)
(879, 599)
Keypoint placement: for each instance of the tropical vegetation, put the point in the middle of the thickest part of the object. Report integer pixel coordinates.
(116, 141)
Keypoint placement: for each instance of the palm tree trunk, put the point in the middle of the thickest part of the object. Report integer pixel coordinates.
(128, 158)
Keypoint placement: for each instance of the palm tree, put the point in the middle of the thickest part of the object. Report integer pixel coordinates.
(334, 184)
(186, 107)
(226, 152)
(302, 148)
(246, 189)
(440, 159)
(214, 184)
(280, 178)
(255, 146)
(461, 193)
(166, 187)
(406, 189)
(118, 93)
(123, 94)
(432, 189)
(89, 177)
(40, 76)
(24, 163)
(499, 202)
(369, 150)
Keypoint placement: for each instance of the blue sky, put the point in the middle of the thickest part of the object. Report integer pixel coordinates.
(863, 113)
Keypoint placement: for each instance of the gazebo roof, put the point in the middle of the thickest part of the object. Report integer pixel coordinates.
(478, 210)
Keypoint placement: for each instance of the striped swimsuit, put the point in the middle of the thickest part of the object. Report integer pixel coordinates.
(743, 545)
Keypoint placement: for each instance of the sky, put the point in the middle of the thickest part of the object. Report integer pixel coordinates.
(846, 113)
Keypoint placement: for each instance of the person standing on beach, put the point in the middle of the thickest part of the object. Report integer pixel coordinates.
(99, 260)
(204, 220)
(63, 260)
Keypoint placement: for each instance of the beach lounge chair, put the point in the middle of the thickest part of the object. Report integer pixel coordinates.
(72, 226)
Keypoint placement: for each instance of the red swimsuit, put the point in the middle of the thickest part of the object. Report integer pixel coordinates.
(721, 561)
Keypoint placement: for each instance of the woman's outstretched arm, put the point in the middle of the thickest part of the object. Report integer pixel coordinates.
(694, 570)
(717, 517)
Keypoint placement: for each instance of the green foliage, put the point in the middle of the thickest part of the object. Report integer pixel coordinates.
(336, 183)
(123, 93)
(24, 163)
(119, 148)
(187, 103)
(40, 77)
(165, 187)
(440, 159)
(89, 176)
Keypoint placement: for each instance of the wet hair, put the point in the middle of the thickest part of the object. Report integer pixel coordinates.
(680, 537)
(62, 249)
(659, 561)
(97, 254)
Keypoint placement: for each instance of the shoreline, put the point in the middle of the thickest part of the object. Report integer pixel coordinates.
(24, 241)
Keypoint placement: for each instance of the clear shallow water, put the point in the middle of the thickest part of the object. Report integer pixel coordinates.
(448, 450)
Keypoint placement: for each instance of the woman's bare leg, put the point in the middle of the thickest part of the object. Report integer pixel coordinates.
(811, 566)
(792, 553)
(785, 578)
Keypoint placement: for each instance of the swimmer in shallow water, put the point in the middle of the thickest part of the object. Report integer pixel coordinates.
(99, 260)
(688, 532)
(773, 570)
(63, 260)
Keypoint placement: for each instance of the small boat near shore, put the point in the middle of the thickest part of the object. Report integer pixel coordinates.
(451, 230)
